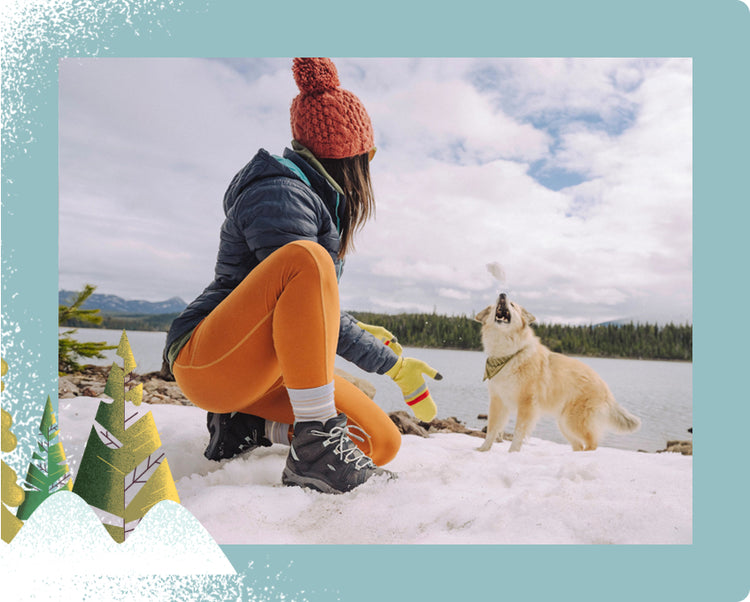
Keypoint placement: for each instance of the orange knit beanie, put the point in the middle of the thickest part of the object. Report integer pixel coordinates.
(328, 120)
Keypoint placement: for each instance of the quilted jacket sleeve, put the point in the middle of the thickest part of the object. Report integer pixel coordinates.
(362, 349)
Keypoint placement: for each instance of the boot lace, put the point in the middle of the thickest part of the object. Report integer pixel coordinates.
(345, 449)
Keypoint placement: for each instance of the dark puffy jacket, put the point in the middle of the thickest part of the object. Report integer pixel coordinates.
(268, 205)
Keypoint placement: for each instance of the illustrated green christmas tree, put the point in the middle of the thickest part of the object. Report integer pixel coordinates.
(124, 470)
(12, 494)
(48, 471)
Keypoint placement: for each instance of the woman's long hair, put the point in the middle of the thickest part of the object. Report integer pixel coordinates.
(353, 175)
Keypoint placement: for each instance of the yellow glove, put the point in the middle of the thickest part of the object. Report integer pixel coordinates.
(384, 335)
(408, 375)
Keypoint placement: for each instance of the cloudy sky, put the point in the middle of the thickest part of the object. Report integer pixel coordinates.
(574, 175)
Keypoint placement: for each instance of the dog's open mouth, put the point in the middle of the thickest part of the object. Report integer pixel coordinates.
(502, 311)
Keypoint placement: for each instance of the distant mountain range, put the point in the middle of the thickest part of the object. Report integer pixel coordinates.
(112, 304)
(657, 319)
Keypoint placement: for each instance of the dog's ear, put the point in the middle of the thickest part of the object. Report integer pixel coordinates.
(527, 316)
(483, 314)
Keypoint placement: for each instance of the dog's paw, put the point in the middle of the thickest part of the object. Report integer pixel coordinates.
(485, 447)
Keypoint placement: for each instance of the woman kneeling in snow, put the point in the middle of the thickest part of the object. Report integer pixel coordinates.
(256, 349)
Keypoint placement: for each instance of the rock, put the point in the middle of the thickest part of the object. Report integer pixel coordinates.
(409, 425)
(363, 385)
(449, 425)
(156, 390)
(97, 391)
(91, 381)
(67, 389)
(481, 416)
(678, 447)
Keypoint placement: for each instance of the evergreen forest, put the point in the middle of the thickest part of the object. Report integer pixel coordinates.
(148, 322)
(641, 341)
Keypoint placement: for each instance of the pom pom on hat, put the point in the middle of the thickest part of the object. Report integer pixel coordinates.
(328, 120)
(315, 75)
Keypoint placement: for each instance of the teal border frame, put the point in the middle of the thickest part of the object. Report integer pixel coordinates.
(714, 33)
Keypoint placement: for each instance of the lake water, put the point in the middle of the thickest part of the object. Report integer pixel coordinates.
(659, 393)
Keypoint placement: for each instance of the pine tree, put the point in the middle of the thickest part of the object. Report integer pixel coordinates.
(124, 470)
(48, 471)
(12, 494)
(68, 349)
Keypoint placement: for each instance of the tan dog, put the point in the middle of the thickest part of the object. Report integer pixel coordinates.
(525, 375)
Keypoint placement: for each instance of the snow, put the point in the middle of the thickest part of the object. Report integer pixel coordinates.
(446, 492)
(65, 520)
(170, 556)
(497, 271)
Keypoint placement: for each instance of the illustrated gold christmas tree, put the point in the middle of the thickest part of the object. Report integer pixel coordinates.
(124, 470)
(12, 494)
(48, 471)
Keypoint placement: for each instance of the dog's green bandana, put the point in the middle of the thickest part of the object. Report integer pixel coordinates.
(495, 364)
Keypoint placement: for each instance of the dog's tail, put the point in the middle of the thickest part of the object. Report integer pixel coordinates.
(622, 420)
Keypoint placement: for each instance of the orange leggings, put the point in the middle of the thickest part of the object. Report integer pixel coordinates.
(279, 328)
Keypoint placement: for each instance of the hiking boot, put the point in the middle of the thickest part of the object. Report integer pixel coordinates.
(323, 457)
(234, 433)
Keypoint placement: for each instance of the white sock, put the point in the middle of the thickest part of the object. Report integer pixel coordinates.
(313, 404)
(277, 432)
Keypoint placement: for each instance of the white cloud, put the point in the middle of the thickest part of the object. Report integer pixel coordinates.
(452, 293)
(452, 121)
(568, 87)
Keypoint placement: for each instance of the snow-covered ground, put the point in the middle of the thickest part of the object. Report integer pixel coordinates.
(169, 557)
(446, 492)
